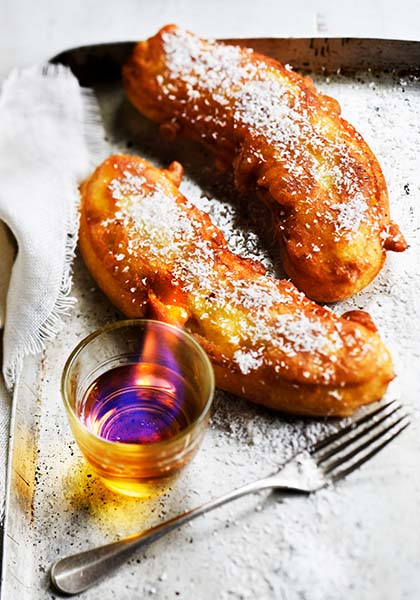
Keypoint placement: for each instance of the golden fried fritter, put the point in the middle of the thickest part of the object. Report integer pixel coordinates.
(155, 254)
(286, 140)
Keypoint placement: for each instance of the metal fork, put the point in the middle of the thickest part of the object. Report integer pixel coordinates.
(327, 461)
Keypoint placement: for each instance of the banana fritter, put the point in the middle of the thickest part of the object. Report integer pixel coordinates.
(155, 254)
(285, 140)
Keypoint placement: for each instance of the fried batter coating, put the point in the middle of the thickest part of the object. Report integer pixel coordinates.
(156, 254)
(285, 140)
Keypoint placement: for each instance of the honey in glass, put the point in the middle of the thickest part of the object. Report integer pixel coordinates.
(138, 396)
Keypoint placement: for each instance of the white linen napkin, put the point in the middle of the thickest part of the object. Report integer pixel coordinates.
(50, 137)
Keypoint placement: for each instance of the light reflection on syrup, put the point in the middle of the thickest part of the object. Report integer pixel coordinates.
(137, 404)
(87, 496)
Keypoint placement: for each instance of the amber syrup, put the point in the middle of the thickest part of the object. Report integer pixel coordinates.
(138, 404)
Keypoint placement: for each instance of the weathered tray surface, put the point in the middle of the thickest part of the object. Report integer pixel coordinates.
(360, 540)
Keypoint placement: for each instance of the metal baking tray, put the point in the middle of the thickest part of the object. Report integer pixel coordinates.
(358, 540)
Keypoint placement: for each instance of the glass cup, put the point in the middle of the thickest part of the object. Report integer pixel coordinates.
(138, 395)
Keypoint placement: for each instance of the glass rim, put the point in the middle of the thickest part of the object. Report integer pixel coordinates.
(132, 323)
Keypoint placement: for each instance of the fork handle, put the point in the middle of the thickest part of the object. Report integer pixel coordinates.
(76, 573)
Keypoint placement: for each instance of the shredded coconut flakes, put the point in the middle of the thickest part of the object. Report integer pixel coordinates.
(252, 315)
(350, 215)
(253, 95)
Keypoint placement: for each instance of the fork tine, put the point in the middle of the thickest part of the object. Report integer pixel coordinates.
(351, 439)
(358, 449)
(335, 436)
(344, 472)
